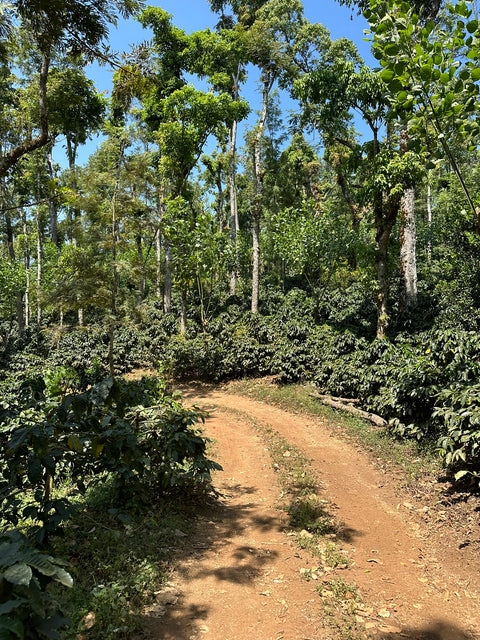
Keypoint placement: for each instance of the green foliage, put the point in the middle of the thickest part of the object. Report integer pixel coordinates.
(458, 411)
(133, 430)
(431, 69)
(27, 609)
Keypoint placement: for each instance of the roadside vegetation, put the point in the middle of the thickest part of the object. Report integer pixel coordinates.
(211, 238)
(316, 531)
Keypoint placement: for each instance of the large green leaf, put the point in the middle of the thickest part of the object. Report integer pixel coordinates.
(387, 75)
(48, 627)
(63, 577)
(476, 74)
(19, 573)
(11, 605)
(9, 552)
(10, 628)
(100, 392)
(18, 437)
(472, 26)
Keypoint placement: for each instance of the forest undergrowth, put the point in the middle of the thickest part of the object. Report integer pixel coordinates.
(92, 463)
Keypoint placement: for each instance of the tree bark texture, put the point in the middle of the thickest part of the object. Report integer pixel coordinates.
(429, 222)
(256, 262)
(52, 207)
(386, 211)
(167, 284)
(232, 180)
(183, 312)
(26, 259)
(158, 246)
(268, 80)
(408, 260)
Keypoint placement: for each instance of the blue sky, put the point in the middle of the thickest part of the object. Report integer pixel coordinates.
(194, 15)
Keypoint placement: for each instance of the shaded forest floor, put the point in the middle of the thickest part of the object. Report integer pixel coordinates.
(397, 563)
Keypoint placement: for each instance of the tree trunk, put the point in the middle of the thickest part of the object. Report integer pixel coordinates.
(11, 252)
(183, 312)
(268, 79)
(167, 285)
(52, 207)
(221, 198)
(256, 263)
(39, 268)
(408, 239)
(10, 159)
(232, 179)
(429, 222)
(383, 284)
(26, 259)
(385, 216)
(39, 250)
(111, 348)
(408, 262)
(158, 246)
(141, 282)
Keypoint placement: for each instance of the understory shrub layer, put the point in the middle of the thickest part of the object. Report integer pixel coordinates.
(424, 383)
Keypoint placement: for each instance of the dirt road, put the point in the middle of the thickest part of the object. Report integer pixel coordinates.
(241, 576)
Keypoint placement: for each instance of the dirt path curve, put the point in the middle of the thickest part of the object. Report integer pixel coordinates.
(242, 578)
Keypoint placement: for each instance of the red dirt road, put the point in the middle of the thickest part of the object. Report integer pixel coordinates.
(241, 576)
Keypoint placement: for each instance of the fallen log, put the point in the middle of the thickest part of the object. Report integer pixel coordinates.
(348, 406)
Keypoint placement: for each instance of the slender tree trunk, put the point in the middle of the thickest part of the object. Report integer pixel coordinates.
(39, 268)
(354, 211)
(183, 312)
(221, 198)
(158, 246)
(232, 179)
(11, 252)
(429, 222)
(52, 207)
(39, 250)
(408, 262)
(385, 215)
(115, 278)
(141, 282)
(268, 80)
(256, 262)
(167, 284)
(26, 259)
(383, 284)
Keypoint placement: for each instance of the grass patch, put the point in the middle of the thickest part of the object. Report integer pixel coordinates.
(119, 559)
(416, 460)
(340, 601)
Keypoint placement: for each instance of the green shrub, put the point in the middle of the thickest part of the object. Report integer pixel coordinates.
(27, 610)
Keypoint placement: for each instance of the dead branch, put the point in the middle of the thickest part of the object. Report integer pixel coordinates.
(346, 405)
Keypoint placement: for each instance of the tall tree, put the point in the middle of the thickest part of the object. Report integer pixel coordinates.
(180, 117)
(330, 93)
(64, 25)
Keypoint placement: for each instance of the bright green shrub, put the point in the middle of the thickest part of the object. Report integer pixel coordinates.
(458, 413)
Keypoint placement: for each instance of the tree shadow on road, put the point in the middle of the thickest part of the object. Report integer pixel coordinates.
(439, 630)
(219, 523)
